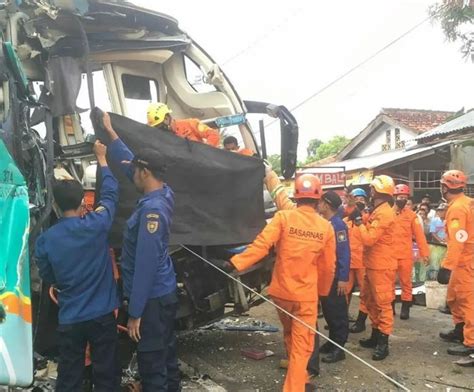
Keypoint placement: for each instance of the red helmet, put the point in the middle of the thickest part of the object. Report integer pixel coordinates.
(454, 179)
(308, 186)
(402, 189)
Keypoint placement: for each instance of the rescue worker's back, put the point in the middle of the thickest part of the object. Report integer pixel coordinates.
(305, 247)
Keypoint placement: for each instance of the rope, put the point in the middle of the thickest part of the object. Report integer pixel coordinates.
(311, 328)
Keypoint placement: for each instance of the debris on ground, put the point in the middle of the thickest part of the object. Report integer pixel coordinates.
(256, 354)
(238, 324)
(466, 361)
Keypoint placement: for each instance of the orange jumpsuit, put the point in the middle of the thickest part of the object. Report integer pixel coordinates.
(407, 226)
(381, 265)
(460, 260)
(305, 265)
(245, 151)
(195, 130)
(357, 271)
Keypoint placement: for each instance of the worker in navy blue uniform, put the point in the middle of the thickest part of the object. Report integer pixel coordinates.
(149, 279)
(335, 304)
(73, 255)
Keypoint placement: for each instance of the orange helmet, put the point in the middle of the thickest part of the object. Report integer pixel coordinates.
(454, 179)
(383, 184)
(308, 186)
(402, 189)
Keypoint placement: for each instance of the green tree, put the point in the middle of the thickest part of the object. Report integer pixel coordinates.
(331, 147)
(312, 148)
(275, 161)
(456, 18)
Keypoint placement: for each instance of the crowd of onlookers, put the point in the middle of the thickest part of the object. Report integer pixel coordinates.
(432, 219)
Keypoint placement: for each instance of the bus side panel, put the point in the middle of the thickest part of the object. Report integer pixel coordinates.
(16, 351)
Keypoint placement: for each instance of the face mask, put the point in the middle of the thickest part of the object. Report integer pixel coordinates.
(401, 203)
(360, 206)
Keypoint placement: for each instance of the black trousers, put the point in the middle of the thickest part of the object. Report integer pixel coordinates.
(101, 334)
(335, 313)
(156, 351)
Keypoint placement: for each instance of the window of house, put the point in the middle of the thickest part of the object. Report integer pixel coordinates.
(427, 179)
(196, 76)
(139, 92)
(398, 142)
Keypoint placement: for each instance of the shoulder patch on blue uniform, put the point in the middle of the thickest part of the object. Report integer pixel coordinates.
(152, 226)
(341, 236)
(99, 209)
(152, 216)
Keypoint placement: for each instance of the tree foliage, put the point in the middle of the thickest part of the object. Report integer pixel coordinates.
(331, 147)
(275, 161)
(312, 148)
(457, 21)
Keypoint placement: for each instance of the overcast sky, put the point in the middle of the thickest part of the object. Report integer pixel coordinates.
(284, 51)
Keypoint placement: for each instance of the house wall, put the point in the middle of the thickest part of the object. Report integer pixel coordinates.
(373, 144)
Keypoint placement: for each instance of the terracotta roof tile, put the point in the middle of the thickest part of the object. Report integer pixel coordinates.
(418, 120)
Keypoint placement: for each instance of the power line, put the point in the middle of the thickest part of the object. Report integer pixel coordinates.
(263, 37)
(357, 66)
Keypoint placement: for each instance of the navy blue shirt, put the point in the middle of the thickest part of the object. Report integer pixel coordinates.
(147, 268)
(74, 256)
(343, 251)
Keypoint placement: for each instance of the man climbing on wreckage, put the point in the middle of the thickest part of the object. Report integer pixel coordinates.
(149, 281)
(159, 116)
(304, 269)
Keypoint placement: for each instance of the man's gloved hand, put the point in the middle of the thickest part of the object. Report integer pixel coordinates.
(443, 275)
(225, 265)
(358, 221)
(268, 167)
(354, 215)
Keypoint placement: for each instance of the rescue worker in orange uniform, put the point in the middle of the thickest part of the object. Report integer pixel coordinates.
(380, 264)
(357, 269)
(407, 226)
(159, 116)
(230, 143)
(306, 257)
(457, 267)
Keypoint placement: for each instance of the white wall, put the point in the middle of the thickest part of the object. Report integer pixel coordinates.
(373, 144)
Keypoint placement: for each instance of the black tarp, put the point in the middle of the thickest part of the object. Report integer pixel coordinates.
(218, 194)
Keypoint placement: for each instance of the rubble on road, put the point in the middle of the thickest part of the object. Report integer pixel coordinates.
(245, 325)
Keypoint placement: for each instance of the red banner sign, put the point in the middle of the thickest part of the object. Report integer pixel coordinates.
(331, 179)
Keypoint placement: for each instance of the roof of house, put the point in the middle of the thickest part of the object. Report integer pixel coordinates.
(458, 124)
(324, 161)
(416, 120)
(391, 158)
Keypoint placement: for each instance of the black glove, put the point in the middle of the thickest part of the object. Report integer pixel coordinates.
(225, 265)
(354, 214)
(443, 275)
(358, 221)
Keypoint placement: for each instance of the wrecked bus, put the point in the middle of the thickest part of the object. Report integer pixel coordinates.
(59, 60)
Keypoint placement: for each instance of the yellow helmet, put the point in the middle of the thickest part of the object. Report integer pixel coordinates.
(156, 113)
(383, 184)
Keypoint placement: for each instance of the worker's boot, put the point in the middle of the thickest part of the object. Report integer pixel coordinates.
(405, 312)
(359, 325)
(381, 351)
(372, 341)
(454, 335)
